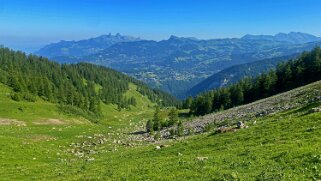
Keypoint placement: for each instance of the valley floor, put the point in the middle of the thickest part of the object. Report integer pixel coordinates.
(282, 146)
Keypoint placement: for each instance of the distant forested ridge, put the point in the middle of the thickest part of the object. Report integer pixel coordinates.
(235, 73)
(80, 85)
(287, 76)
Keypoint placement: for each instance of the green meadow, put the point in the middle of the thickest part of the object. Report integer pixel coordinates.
(285, 146)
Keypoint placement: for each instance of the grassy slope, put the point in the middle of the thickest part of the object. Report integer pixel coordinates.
(133, 116)
(280, 147)
(33, 149)
(27, 111)
(284, 146)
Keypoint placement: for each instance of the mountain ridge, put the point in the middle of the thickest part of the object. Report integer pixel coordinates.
(292, 37)
(83, 47)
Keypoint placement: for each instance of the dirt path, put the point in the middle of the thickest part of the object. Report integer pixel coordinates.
(5, 122)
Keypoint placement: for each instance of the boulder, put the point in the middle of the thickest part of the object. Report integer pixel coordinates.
(316, 109)
(240, 125)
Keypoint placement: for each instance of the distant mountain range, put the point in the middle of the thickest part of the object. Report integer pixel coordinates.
(293, 37)
(177, 64)
(82, 47)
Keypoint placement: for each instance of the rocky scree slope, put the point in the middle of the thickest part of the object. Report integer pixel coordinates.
(285, 101)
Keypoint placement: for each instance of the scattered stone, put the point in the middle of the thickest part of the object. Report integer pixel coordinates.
(90, 159)
(202, 158)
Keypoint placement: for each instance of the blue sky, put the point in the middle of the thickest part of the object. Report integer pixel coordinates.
(29, 24)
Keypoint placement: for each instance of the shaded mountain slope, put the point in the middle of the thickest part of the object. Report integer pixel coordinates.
(235, 73)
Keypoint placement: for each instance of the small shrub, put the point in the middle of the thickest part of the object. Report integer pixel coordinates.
(149, 126)
(157, 135)
(164, 123)
(29, 97)
(152, 133)
(180, 128)
(190, 131)
(208, 127)
(16, 97)
(172, 132)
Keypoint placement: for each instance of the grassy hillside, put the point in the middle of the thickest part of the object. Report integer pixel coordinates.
(42, 111)
(136, 114)
(282, 146)
(29, 111)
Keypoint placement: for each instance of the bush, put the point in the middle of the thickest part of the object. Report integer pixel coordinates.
(164, 123)
(157, 135)
(190, 131)
(172, 132)
(29, 97)
(149, 126)
(16, 97)
(209, 127)
(180, 129)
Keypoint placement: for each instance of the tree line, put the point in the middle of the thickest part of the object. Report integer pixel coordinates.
(288, 75)
(80, 85)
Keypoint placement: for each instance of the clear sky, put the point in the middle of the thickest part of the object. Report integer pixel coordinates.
(29, 24)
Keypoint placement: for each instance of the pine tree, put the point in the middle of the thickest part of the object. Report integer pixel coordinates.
(157, 120)
(173, 117)
(180, 128)
(149, 126)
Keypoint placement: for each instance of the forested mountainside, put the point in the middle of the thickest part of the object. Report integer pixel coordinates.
(235, 73)
(81, 85)
(177, 64)
(288, 75)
